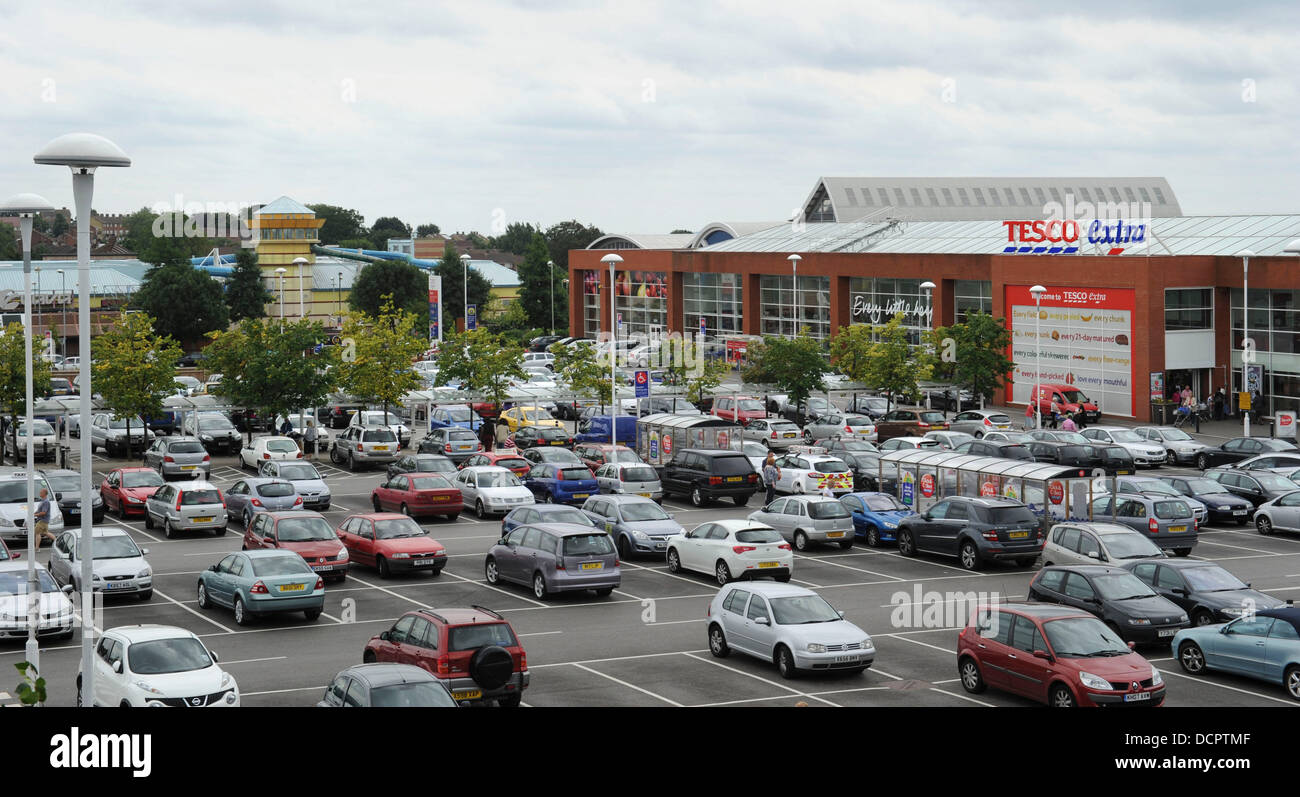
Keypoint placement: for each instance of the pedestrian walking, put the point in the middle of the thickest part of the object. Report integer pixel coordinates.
(770, 474)
(487, 434)
(42, 519)
(1068, 425)
(309, 436)
(1218, 404)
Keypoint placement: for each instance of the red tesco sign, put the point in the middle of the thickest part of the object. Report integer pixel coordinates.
(927, 485)
(1056, 492)
(1037, 232)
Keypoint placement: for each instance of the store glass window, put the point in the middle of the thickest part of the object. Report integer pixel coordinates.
(1274, 329)
(875, 300)
(1189, 308)
(717, 298)
(785, 313)
(972, 296)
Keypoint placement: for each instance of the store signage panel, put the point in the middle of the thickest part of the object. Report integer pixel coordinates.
(1066, 236)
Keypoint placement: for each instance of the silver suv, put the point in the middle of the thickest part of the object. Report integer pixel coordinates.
(370, 445)
(186, 506)
(178, 456)
(110, 433)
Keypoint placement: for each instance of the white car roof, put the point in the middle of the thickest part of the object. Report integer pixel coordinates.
(145, 633)
(100, 531)
(486, 469)
(738, 524)
(772, 589)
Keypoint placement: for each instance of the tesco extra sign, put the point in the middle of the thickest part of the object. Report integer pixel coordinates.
(1064, 236)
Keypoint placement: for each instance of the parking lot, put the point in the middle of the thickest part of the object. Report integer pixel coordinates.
(643, 645)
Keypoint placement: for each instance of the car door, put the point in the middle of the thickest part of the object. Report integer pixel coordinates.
(925, 526)
(1170, 583)
(994, 646)
(1090, 550)
(762, 635)
(106, 689)
(1282, 643)
(1027, 674)
(409, 650)
(1080, 594)
(1242, 646)
(509, 560)
(693, 548)
(217, 583)
(391, 649)
(733, 619)
(1049, 587)
(1065, 546)
(773, 514)
(944, 533)
(793, 515)
(1285, 512)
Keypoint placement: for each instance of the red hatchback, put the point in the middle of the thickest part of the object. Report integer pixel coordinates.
(307, 534)
(125, 490)
(502, 459)
(741, 410)
(418, 495)
(474, 652)
(1054, 655)
(391, 543)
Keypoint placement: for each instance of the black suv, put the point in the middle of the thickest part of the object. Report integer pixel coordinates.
(995, 448)
(1069, 455)
(709, 475)
(1116, 460)
(1131, 608)
(974, 530)
(1255, 486)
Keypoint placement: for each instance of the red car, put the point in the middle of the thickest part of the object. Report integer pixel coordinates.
(391, 543)
(125, 490)
(5, 555)
(307, 534)
(485, 409)
(474, 652)
(1054, 655)
(739, 409)
(593, 455)
(418, 495)
(503, 459)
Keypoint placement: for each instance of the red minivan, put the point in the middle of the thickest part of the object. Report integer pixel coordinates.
(1064, 399)
(474, 652)
(1055, 655)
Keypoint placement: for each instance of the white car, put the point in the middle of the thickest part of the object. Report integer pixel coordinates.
(809, 470)
(157, 665)
(1179, 445)
(119, 566)
(266, 449)
(365, 419)
(1144, 452)
(491, 489)
(904, 443)
(1096, 544)
(187, 385)
(731, 549)
(13, 505)
(56, 610)
(949, 440)
(307, 481)
(44, 441)
(791, 626)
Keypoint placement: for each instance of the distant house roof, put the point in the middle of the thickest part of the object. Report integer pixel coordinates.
(497, 274)
(105, 278)
(285, 206)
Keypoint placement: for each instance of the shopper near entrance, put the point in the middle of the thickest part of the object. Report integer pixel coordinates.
(770, 475)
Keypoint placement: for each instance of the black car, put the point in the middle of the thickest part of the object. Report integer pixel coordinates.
(217, 434)
(707, 475)
(66, 485)
(421, 463)
(336, 415)
(995, 448)
(1239, 448)
(1070, 455)
(837, 446)
(874, 407)
(1256, 487)
(1208, 593)
(952, 399)
(813, 408)
(544, 342)
(246, 420)
(191, 360)
(454, 442)
(1115, 460)
(974, 530)
(534, 436)
(1222, 505)
(1131, 608)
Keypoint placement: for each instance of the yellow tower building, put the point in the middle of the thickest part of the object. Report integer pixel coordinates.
(286, 231)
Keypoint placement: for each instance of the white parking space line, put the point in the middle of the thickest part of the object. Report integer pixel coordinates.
(540, 633)
(634, 657)
(960, 696)
(486, 585)
(320, 689)
(634, 687)
(1209, 682)
(250, 661)
(1239, 547)
(110, 519)
(827, 560)
(387, 591)
(789, 689)
(200, 615)
(918, 642)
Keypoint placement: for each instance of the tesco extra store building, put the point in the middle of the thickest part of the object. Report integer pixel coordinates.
(1131, 309)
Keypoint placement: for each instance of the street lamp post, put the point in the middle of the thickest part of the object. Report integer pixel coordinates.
(83, 153)
(613, 260)
(1245, 255)
(794, 296)
(302, 263)
(464, 281)
(929, 287)
(339, 290)
(25, 205)
(1034, 398)
(551, 265)
(63, 311)
(280, 273)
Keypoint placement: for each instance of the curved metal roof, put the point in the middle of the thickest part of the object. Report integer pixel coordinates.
(1011, 468)
(684, 421)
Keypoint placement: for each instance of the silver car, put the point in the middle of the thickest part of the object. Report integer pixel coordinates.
(1096, 543)
(119, 566)
(1179, 445)
(977, 422)
(805, 519)
(13, 505)
(776, 434)
(638, 525)
(247, 497)
(186, 506)
(308, 481)
(357, 446)
(948, 440)
(847, 426)
(1152, 488)
(110, 433)
(56, 613)
(1168, 522)
(178, 456)
(630, 479)
(1144, 451)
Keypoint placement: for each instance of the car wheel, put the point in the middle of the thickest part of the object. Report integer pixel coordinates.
(1202, 462)
(1201, 617)
(674, 561)
(970, 556)
(1025, 561)
(605, 592)
(490, 573)
(846, 544)
(972, 680)
(697, 498)
(312, 615)
(539, 586)
(381, 564)
(1062, 697)
(1171, 458)
(374, 501)
(368, 657)
(785, 663)
(624, 549)
(718, 642)
(478, 509)
(1183, 552)
(1264, 526)
(334, 455)
(800, 540)
(148, 519)
(1192, 658)
(168, 530)
(511, 701)
(722, 573)
(452, 517)
(247, 518)
(204, 601)
(873, 537)
(406, 510)
(352, 463)
(242, 616)
(1291, 680)
(548, 498)
(906, 546)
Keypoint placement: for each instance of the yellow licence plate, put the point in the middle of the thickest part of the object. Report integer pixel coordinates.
(733, 478)
(468, 694)
(292, 587)
(835, 534)
(1017, 535)
(187, 467)
(381, 448)
(201, 520)
(644, 495)
(1177, 529)
(592, 565)
(769, 564)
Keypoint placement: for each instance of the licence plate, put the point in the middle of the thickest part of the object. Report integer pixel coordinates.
(769, 564)
(1003, 426)
(1177, 529)
(834, 534)
(441, 499)
(468, 694)
(733, 478)
(422, 562)
(789, 435)
(644, 495)
(187, 467)
(322, 567)
(120, 586)
(201, 520)
(293, 587)
(463, 447)
(1164, 632)
(593, 565)
(582, 495)
(1017, 535)
(1137, 697)
(381, 448)
(1238, 511)
(845, 659)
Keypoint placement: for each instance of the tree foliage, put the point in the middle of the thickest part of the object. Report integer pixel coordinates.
(566, 235)
(979, 358)
(453, 279)
(482, 361)
(133, 367)
(246, 294)
(405, 284)
(139, 231)
(377, 354)
(793, 365)
(386, 227)
(894, 365)
(691, 369)
(340, 224)
(538, 284)
(579, 367)
(274, 372)
(184, 302)
(425, 230)
(516, 239)
(11, 245)
(851, 351)
(13, 375)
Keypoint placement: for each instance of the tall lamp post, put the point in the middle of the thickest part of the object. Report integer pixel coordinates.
(26, 205)
(83, 153)
(302, 263)
(279, 272)
(929, 287)
(1034, 398)
(1245, 255)
(339, 291)
(464, 281)
(551, 265)
(613, 260)
(794, 296)
(63, 310)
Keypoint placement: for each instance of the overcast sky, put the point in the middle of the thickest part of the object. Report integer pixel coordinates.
(644, 117)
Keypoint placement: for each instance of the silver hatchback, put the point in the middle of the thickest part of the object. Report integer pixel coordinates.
(626, 478)
(247, 497)
(178, 456)
(186, 506)
(805, 519)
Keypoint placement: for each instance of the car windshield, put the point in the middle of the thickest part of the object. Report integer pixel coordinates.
(275, 490)
(39, 429)
(472, 637)
(569, 516)
(999, 419)
(509, 462)
(552, 433)
(1125, 436)
(459, 435)
(14, 582)
(737, 466)
(1211, 578)
(377, 436)
(422, 694)
(646, 510)
(1015, 451)
(214, 425)
(1272, 481)
(1155, 488)
(199, 496)
(185, 447)
(397, 528)
(750, 405)
(1010, 515)
(298, 472)
(1172, 510)
(141, 478)
(588, 545)
(430, 483)
(120, 423)
(1083, 637)
(1074, 397)
(758, 535)
(826, 510)
(933, 417)
(291, 565)
(830, 466)
(1130, 546)
(536, 414)
(15, 492)
(1116, 452)
(70, 483)
(802, 610)
(506, 479)
(380, 418)
(435, 465)
(1071, 437)
(784, 427)
(162, 656)
(1121, 586)
(1011, 437)
(1199, 486)
(306, 529)
(641, 474)
(883, 503)
(115, 547)
(457, 416)
(623, 455)
(1173, 434)
(283, 445)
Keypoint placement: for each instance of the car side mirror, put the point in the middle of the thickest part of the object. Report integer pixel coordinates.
(212, 569)
(1042, 654)
(117, 666)
(502, 541)
(762, 621)
(383, 635)
(1226, 630)
(214, 655)
(841, 614)
(67, 588)
(1180, 591)
(144, 551)
(1093, 555)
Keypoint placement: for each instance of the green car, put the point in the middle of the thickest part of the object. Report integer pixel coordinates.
(255, 583)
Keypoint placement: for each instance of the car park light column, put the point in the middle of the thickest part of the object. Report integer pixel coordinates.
(1245, 255)
(26, 205)
(794, 297)
(1034, 398)
(83, 153)
(613, 260)
(929, 287)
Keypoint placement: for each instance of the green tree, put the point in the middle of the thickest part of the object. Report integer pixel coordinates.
(246, 294)
(581, 370)
(13, 378)
(357, 243)
(894, 365)
(569, 235)
(792, 365)
(133, 367)
(681, 231)
(163, 243)
(340, 224)
(690, 369)
(59, 225)
(478, 241)
(405, 284)
(425, 230)
(536, 288)
(11, 247)
(184, 302)
(386, 227)
(377, 354)
(139, 230)
(517, 238)
(31, 690)
(453, 281)
(979, 357)
(851, 351)
(482, 361)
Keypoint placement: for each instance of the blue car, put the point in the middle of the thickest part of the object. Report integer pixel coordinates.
(1264, 645)
(875, 516)
(544, 513)
(257, 583)
(561, 483)
(455, 415)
